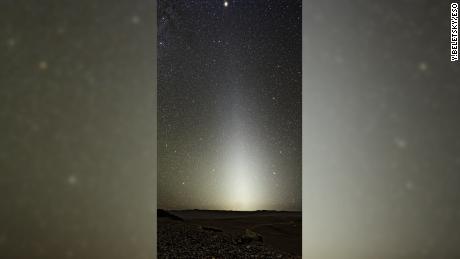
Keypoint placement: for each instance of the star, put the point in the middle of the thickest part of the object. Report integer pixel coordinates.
(135, 19)
(72, 180)
(43, 65)
(11, 42)
(422, 66)
(400, 143)
(410, 185)
(61, 30)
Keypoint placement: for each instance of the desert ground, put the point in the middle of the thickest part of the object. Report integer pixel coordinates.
(229, 234)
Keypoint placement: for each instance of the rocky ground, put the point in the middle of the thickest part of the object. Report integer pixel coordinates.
(178, 239)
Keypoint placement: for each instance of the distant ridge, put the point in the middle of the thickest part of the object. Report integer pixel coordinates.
(237, 211)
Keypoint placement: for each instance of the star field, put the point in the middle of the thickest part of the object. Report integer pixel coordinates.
(229, 91)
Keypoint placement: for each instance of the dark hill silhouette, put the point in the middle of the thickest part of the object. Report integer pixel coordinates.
(165, 214)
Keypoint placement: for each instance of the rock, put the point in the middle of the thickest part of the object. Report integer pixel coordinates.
(250, 236)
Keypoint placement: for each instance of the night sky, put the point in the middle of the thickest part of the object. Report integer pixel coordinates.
(229, 92)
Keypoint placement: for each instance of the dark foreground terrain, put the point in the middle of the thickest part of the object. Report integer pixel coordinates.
(229, 234)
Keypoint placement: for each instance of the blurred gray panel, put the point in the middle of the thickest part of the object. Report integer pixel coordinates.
(77, 124)
(381, 131)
